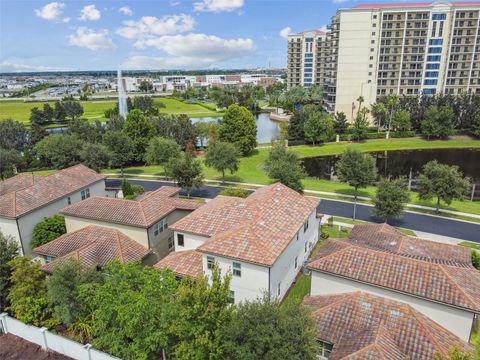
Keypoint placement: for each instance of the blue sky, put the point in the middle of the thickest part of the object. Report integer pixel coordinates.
(161, 34)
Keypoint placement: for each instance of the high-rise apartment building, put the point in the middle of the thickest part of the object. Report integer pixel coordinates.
(306, 58)
(403, 49)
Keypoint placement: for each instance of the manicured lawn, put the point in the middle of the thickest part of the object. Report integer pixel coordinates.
(299, 290)
(470, 245)
(174, 106)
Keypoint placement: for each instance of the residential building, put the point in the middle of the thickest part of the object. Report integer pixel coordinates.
(306, 58)
(359, 325)
(93, 246)
(144, 219)
(402, 49)
(26, 199)
(263, 240)
(436, 279)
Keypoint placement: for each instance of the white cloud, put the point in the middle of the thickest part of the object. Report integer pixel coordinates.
(339, 1)
(66, 20)
(6, 66)
(191, 51)
(90, 13)
(285, 32)
(174, 3)
(150, 26)
(218, 5)
(323, 28)
(51, 11)
(125, 10)
(91, 39)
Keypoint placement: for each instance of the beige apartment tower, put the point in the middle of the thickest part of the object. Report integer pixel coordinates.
(403, 49)
(306, 58)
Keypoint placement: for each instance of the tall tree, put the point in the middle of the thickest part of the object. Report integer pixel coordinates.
(95, 156)
(443, 182)
(401, 121)
(47, 230)
(360, 125)
(160, 150)
(73, 109)
(143, 103)
(475, 128)
(341, 123)
(318, 127)
(438, 122)
(392, 105)
(357, 170)
(379, 113)
(283, 165)
(59, 150)
(9, 250)
(391, 198)
(222, 156)
(13, 135)
(186, 171)
(10, 160)
(238, 127)
(120, 147)
(140, 130)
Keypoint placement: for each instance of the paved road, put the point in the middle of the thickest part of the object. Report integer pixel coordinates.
(413, 221)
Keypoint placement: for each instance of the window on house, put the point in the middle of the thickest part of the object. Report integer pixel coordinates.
(48, 259)
(85, 194)
(210, 262)
(171, 243)
(305, 246)
(237, 269)
(305, 226)
(279, 288)
(232, 297)
(325, 350)
(180, 240)
(160, 226)
(69, 201)
(296, 261)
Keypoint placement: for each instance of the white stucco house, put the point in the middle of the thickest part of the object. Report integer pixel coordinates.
(26, 199)
(435, 279)
(263, 240)
(145, 219)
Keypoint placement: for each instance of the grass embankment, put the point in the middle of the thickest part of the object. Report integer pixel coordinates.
(94, 110)
(251, 171)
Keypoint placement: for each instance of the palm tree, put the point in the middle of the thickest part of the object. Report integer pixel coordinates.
(379, 112)
(392, 103)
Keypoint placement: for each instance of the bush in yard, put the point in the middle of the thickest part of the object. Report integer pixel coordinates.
(476, 259)
(8, 251)
(47, 230)
(236, 192)
(130, 191)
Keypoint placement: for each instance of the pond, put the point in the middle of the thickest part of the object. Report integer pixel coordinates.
(402, 162)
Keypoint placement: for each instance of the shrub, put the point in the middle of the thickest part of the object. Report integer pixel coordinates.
(236, 192)
(47, 230)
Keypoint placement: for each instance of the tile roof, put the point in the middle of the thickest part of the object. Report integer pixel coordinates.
(144, 212)
(24, 193)
(183, 263)
(452, 285)
(256, 229)
(366, 326)
(386, 238)
(93, 246)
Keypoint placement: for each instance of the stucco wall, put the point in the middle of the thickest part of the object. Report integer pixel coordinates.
(456, 320)
(191, 241)
(27, 222)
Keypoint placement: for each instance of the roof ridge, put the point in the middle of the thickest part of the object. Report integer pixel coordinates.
(334, 252)
(69, 233)
(457, 285)
(336, 301)
(120, 246)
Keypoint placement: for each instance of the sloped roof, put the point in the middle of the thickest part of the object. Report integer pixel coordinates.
(452, 285)
(93, 246)
(256, 229)
(366, 326)
(24, 193)
(144, 212)
(183, 263)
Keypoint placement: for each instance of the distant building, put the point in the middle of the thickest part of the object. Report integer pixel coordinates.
(306, 58)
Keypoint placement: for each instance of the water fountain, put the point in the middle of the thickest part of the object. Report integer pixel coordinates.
(122, 96)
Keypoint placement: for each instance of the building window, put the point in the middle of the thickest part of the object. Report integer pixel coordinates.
(232, 297)
(160, 226)
(305, 246)
(210, 262)
(325, 350)
(279, 288)
(69, 201)
(296, 262)
(48, 259)
(85, 194)
(305, 226)
(171, 243)
(237, 269)
(180, 240)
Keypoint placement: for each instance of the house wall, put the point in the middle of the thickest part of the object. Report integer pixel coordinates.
(191, 241)
(136, 233)
(27, 222)
(283, 270)
(9, 227)
(456, 320)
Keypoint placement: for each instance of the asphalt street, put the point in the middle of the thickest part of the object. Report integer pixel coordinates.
(409, 220)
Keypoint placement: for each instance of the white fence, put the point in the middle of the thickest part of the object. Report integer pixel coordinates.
(50, 341)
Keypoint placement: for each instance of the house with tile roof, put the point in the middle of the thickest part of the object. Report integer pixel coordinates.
(26, 199)
(360, 325)
(144, 219)
(263, 240)
(436, 279)
(93, 246)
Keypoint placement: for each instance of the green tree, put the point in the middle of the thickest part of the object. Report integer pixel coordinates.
(186, 171)
(47, 230)
(475, 128)
(357, 170)
(392, 103)
(455, 353)
(401, 121)
(360, 125)
(13, 135)
(59, 150)
(9, 250)
(203, 308)
(283, 165)
(341, 123)
(202, 129)
(140, 130)
(391, 198)
(84, 130)
(59, 112)
(222, 156)
(235, 192)
(72, 108)
(10, 160)
(37, 132)
(37, 117)
(132, 311)
(443, 182)
(95, 156)
(145, 86)
(318, 127)
(120, 147)
(160, 150)
(379, 113)
(130, 191)
(438, 122)
(143, 103)
(263, 329)
(238, 127)
(476, 262)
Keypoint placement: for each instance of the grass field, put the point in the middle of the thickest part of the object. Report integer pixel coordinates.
(94, 110)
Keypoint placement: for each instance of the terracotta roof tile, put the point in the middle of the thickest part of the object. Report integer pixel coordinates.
(365, 326)
(452, 285)
(143, 212)
(25, 193)
(256, 229)
(183, 263)
(93, 246)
